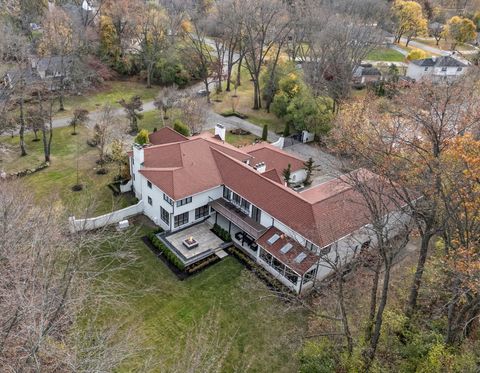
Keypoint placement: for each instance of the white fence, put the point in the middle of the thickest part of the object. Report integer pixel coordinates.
(127, 187)
(77, 225)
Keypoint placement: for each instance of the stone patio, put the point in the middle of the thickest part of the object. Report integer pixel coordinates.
(207, 241)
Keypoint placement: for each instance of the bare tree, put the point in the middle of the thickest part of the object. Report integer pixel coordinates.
(194, 113)
(80, 116)
(266, 26)
(166, 99)
(132, 109)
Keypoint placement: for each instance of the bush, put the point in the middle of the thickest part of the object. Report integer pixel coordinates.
(416, 54)
(265, 133)
(181, 127)
(142, 137)
(286, 131)
(222, 233)
(171, 257)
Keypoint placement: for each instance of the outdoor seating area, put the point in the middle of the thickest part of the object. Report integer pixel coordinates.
(193, 243)
(245, 239)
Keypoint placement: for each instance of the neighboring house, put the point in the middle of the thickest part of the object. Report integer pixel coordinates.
(436, 69)
(366, 73)
(52, 67)
(202, 180)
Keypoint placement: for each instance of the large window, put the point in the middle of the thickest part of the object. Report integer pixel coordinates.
(168, 199)
(149, 200)
(309, 276)
(236, 199)
(201, 212)
(266, 257)
(149, 184)
(184, 201)
(291, 276)
(181, 219)
(165, 215)
(311, 246)
(226, 193)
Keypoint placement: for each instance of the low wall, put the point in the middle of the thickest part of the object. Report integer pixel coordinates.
(77, 225)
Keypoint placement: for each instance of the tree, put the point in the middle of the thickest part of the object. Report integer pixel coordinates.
(35, 121)
(132, 109)
(310, 167)
(416, 54)
(460, 30)
(181, 128)
(287, 174)
(166, 99)
(265, 132)
(266, 28)
(142, 137)
(436, 30)
(119, 156)
(410, 20)
(286, 131)
(152, 38)
(306, 112)
(58, 41)
(80, 116)
(193, 113)
(103, 133)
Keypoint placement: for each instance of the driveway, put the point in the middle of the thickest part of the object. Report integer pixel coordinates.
(329, 166)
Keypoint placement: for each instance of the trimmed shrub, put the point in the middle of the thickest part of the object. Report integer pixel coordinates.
(222, 233)
(142, 137)
(181, 127)
(286, 131)
(265, 132)
(171, 257)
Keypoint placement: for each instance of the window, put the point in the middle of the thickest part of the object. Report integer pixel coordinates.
(459, 69)
(133, 177)
(184, 201)
(266, 257)
(149, 200)
(444, 69)
(245, 205)
(291, 276)
(426, 69)
(168, 199)
(226, 193)
(165, 215)
(311, 246)
(181, 219)
(149, 184)
(201, 212)
(236, 198)
(133, 160)
(309, 276)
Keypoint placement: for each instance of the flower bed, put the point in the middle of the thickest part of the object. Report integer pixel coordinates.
(171, 257)
(221, 233)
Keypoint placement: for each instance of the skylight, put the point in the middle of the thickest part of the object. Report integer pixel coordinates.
(286, 248)
(273, 239)
(300, 257)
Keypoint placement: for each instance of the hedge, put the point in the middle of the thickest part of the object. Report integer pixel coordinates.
(171, 257)
(222, 233)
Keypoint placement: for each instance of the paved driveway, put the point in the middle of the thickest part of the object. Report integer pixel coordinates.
(329, 165)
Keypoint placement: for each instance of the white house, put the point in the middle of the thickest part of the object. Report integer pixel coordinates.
(436, 69)
(185, 183)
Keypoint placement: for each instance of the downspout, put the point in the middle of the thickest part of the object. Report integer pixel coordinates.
(301, 285)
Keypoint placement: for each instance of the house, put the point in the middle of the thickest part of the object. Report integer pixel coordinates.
(436, 69)
(188, 183)
(366, 73)
(52, 67)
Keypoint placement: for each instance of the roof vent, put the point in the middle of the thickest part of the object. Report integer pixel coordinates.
(273, 239)
(300, 257)
(286, 248)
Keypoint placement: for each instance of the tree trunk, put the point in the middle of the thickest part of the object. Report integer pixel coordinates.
(417, 280)
(346, 328)
(373, 302)
(257, 104)
(370, 355)
(239, 72)
(149, 75)
(22, 129)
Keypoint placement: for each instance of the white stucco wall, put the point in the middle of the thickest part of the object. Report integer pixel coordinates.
(418, 72)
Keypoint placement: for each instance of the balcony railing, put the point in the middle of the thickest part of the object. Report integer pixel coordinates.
(238, 217)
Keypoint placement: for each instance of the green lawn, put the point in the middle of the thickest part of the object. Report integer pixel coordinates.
(163, 312)
(54, 183)
(109, 94)
(385, 54)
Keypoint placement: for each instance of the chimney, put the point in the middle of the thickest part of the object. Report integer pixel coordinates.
(261, 167)
(220, 131)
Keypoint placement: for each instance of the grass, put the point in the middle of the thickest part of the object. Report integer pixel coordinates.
(385, 54)
(54, 183)
(239, 140)
(165, 312)
(109, 94)
(243, 104)
(444, 44)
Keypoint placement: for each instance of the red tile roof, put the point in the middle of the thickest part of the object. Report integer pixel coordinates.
(288, 258)
(273, 157)
(322, 214)
(165, 135)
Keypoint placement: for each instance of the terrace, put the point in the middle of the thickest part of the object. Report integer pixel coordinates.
(193, 243)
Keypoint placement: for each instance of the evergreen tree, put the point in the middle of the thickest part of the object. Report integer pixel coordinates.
(287, 173)
(265, 132)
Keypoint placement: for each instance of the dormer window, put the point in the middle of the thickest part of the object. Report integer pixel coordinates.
(459, 69)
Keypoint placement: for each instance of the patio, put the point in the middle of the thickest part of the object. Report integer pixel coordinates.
(206, 242)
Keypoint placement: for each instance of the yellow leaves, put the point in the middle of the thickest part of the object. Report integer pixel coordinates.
(410, 17)
(416, 54)
(186, 26)
(460, 29)
(57, 37)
